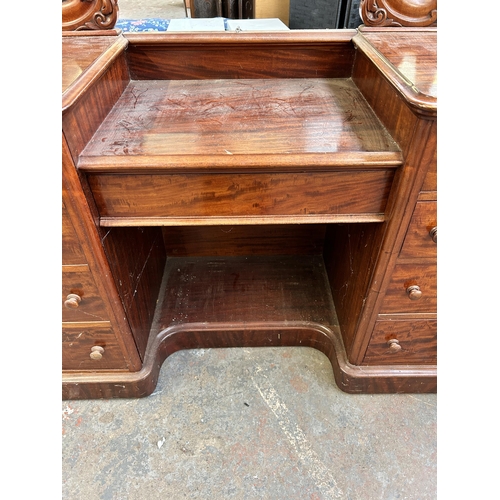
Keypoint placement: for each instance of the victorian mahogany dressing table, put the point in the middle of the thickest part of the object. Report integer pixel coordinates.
(249, 189)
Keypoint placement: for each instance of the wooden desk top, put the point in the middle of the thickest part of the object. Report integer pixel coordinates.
(408, 58)
(240, 123)
(84, 58)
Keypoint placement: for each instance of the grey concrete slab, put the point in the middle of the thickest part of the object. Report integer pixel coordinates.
(143, 9)
(261, 423)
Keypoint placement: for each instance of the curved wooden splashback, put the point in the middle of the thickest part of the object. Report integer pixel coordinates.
(89, 14)
(411, 13)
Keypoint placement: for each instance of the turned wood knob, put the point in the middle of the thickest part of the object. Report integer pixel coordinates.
(72, 301)
(414, 292)
(433, 233)
(96, 352)
(394, 345)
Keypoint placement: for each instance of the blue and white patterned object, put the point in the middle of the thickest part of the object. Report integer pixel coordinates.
(142, 25)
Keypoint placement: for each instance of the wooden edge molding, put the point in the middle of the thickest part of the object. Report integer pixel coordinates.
(421, 104)
(89, 14)
(239, 220)
(113, 32)
(232, 37)
(398, 13)
(241, 163)
(349, 378)
(78, 88)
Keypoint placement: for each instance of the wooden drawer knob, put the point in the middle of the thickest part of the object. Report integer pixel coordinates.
(72, 301)
(433, 233)
(394, 345)
(96, 352)
(414, 292)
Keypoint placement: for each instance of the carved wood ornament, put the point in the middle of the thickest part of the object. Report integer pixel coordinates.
(89, 14)
(411, 13)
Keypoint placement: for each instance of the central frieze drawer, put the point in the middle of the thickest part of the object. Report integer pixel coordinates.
(245, 194)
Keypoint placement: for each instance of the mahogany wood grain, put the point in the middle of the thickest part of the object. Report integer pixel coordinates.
(353, 270)
(350, 256)
(352, 379)
(404, 195)
(395, 277)
(78, 340)
(412, 53)
(89, 14)
(215, 241)
(239, 124)
(272, 299)
(83, 66)
(81, 215)
(78, 55)
(430, 181)
(290, 302)
(418, 241)
(87, 102)
(355, 275)
(288, 54)
(408, 62)
(165, 198)
(405, 275)
(91, 306)
(398, 13)
(417, 338)
(72, 253)
(414, 128)
(391, 110)
(136, 257)
(255, 289)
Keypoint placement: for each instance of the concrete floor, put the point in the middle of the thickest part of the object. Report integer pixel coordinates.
(163, 9)
(265, 423)
(262, 423)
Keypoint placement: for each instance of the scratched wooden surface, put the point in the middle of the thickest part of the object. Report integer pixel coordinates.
(249, 289)
(236, 117)
(412, 53)
(78, 54)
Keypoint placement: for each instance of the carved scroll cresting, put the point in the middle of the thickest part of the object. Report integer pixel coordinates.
(89, 14)
(410, 13)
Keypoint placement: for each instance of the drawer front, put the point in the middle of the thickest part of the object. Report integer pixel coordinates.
(72, 253)
(403, 297)
(79, 341)
(80, 298)
(421, 238)
(407, 341)
(252, 194)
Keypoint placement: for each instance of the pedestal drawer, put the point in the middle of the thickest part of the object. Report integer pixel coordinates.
(405, 341)
(413, 289)
(90, 347)
(421, 238)
(80, 298)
